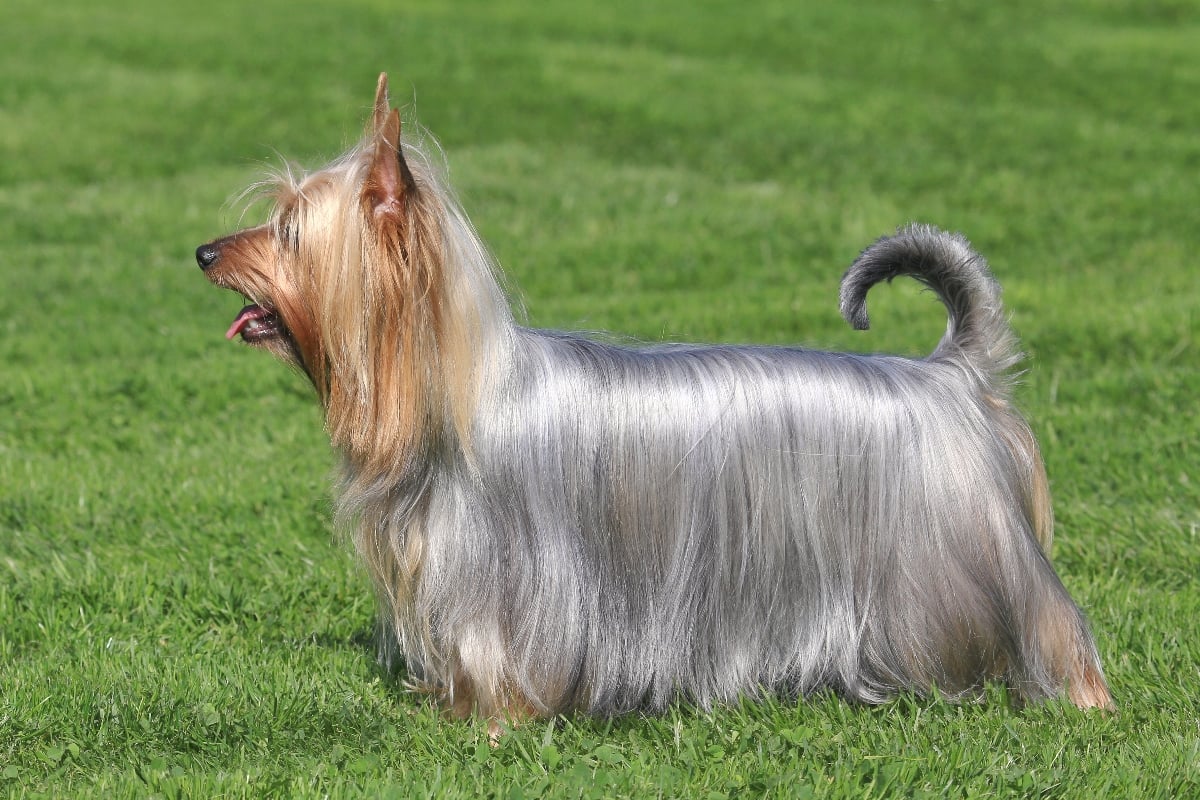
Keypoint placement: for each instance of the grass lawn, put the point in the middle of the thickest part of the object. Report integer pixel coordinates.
(176, 618)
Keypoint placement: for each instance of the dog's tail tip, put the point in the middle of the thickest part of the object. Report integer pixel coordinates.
(977, 329)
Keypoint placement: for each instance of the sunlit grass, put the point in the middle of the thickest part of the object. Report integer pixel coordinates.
(177, 619)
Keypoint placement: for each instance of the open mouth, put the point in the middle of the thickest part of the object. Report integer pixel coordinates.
(256, 324)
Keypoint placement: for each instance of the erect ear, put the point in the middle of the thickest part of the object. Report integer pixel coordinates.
(381, 104)
(389, 181)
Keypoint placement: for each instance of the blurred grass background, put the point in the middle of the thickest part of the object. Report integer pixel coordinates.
(175, 617)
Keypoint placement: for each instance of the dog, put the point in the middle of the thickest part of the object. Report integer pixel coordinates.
(558, 524)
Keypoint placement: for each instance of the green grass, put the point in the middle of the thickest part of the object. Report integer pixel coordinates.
(176, 618)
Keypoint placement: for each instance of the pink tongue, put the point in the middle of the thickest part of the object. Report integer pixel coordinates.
(248, 313)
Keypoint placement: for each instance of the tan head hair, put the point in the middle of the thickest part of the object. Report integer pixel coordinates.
(385, 291)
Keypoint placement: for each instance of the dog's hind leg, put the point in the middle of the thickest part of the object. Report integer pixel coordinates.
(1061, 654)
(1072, 650)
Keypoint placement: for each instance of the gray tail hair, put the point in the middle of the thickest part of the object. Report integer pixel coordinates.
(977, 335)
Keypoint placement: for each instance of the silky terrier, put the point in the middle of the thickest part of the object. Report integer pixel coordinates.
(557, 523)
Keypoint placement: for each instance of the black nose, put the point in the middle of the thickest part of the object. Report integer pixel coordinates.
(206, 255)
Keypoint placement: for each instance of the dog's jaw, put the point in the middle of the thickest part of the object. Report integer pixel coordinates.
(256, 324)
(259, 325)
(236, 263)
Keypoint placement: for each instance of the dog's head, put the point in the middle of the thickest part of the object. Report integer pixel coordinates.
(345, 281)
(309, 261)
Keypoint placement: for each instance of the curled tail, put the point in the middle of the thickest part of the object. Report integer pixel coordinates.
(977, 332)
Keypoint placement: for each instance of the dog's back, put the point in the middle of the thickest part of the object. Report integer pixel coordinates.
(715, 519)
